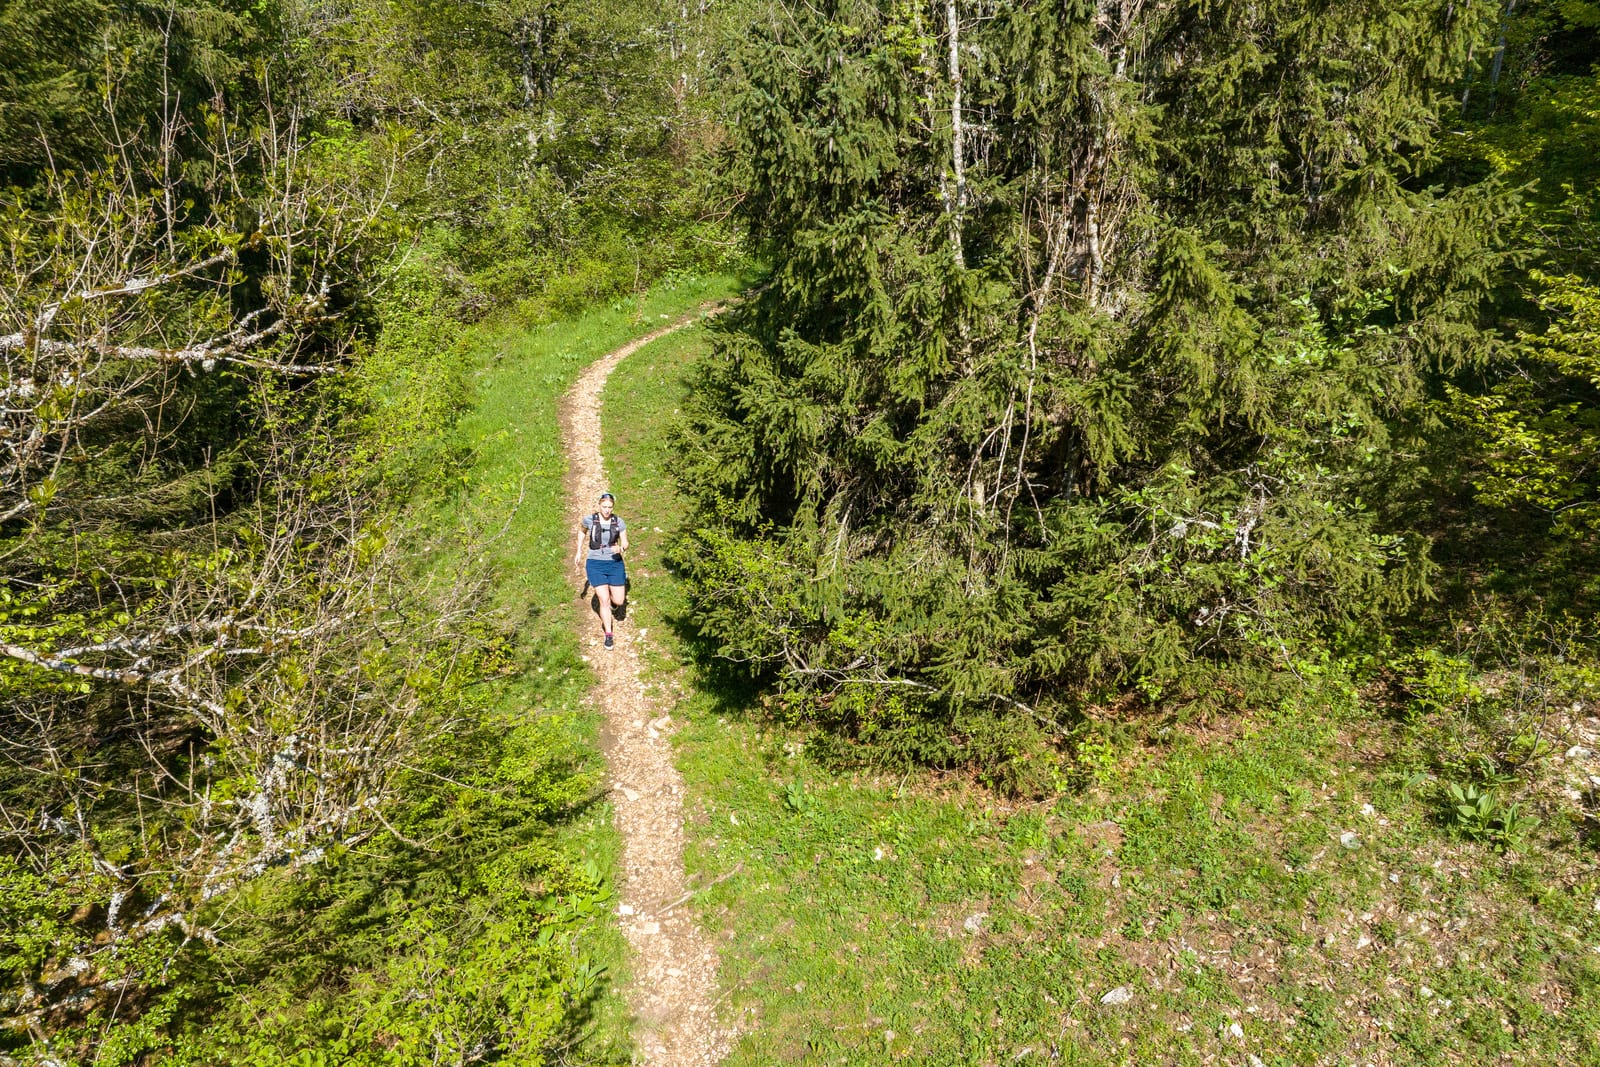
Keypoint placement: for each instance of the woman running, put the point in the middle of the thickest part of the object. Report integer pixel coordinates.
(604, 536)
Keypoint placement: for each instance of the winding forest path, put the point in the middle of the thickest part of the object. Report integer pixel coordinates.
(675, 966)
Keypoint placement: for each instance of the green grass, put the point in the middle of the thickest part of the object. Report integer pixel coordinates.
(1205, 871)
(514, 432)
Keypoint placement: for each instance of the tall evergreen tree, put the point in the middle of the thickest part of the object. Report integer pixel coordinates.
(1086, 327)
(77, 76)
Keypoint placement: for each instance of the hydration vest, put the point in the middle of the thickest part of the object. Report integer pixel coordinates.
(611, 528)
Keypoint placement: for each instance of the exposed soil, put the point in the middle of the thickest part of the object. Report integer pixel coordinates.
(674, 992)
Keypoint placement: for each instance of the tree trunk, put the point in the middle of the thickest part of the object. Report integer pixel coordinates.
(957, 148)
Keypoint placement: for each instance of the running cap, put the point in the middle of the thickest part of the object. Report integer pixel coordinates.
(607, 496)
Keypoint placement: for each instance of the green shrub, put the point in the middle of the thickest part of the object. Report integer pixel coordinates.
(1478, 814)
(1490, 703)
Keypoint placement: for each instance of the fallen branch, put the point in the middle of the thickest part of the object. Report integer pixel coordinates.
(735, 869)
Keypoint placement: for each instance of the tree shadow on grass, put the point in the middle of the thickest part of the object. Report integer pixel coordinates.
(734, 689)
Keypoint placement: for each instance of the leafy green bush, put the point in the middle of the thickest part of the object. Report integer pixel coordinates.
(1438, 683)
(411, 383)
(1492, 708)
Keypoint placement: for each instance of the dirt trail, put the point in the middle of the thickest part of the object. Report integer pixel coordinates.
(675, 965)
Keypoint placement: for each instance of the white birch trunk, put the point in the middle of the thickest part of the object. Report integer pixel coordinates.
(958, 201)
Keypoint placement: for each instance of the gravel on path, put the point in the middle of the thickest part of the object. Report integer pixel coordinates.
(674, 991)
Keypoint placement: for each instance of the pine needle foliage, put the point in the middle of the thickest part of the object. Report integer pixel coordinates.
(1086, 331)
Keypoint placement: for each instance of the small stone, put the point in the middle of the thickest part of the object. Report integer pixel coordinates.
(1424, 992)
(974, 922)
(649, 928)
(733, 818)
(624, 909)
(1236, 1031)
(631, 794)
(1578, 752)
(1368, 810)
(1349, 840)
(889, 1035)
(1120, 995)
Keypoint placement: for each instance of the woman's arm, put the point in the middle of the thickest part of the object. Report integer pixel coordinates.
(583, 542)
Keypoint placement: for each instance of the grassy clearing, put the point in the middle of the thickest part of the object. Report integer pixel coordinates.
(1281, 888)
(514, 433)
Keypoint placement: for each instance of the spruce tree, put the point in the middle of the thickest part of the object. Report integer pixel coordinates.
(1086, 329)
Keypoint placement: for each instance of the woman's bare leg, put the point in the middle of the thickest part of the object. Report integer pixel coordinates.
(603, 592)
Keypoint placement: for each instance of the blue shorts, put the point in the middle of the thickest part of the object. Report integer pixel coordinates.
(605, 572)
